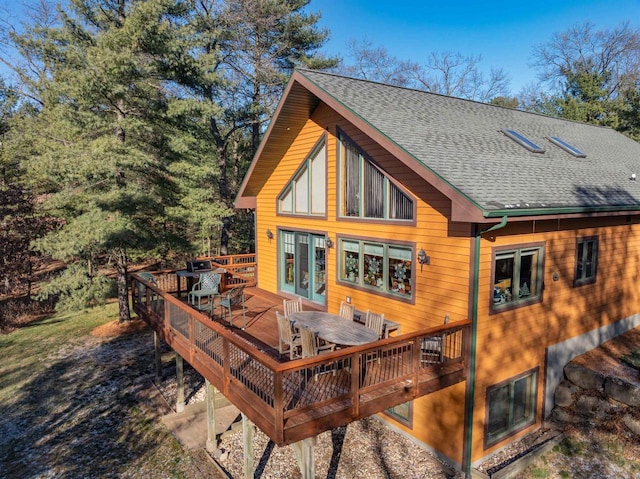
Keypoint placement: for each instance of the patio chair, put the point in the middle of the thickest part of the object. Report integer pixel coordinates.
(142, 290)
(148, 277)
(431, 350)
(230, 298)
(205, 288)
(347, 311)
(291, 306)
(287, 339)
(375, 322)
(311, 346)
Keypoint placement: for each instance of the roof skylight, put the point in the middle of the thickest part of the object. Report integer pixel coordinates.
(566, 147)
(523, 141)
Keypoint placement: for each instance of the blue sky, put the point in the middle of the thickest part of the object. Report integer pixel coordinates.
(503, 32)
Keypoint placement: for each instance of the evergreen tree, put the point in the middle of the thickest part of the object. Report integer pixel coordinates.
(242, 53)
(592, 76)
(103, 147)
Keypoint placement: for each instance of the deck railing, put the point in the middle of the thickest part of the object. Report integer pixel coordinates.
(293, 400)
(242, 268)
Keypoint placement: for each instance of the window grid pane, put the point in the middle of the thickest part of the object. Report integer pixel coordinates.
(373, 265)
(510, 406)
(373, 192)
(318, 182)
(517, 276)
(383, 267)
(400, 206)
(586, 261)
(302, 192)
(288, 242)
(352, 181)
(499, 410)
(367, 192)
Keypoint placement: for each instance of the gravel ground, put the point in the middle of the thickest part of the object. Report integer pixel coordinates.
(96, 413)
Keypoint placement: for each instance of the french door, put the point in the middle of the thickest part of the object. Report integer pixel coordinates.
(303, 265)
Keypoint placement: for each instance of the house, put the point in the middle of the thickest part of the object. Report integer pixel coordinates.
(429, 208)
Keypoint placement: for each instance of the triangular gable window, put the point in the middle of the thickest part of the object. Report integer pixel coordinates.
(306, 193)
(366, 191)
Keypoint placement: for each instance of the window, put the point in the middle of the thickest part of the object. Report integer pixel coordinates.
(402, 413)
(366, 191)
(523, 141)
(511, 406)
(586, 261)
(517, 276)
(566, 147)
(381, 267)
(306, 193)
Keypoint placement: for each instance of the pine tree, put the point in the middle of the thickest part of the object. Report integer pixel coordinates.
(104, 142)
(241, 54)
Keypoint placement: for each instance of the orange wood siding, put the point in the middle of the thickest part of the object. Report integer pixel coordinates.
(441, 288)
(438, 421)
(511, 342)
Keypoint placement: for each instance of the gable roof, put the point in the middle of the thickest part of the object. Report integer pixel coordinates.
(457, 146)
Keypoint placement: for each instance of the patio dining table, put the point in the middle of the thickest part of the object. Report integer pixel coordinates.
(333, 328)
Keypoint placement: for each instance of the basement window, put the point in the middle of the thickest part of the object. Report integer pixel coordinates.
(523, 141)
(511, 406)
(566, 147)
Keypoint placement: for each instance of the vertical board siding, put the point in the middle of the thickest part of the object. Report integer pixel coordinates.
(441, 288)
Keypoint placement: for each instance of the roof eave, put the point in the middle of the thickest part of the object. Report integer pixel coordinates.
(563, 212)
(273, 124)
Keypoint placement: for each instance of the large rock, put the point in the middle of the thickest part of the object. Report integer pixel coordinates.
(622, 391)
(584, 377)
(632, 423)
(565, 394)
(560, 416)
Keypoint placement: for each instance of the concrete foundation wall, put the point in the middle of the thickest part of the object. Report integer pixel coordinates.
(560, 354)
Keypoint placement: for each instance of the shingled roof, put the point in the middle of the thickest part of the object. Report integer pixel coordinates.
(459, 143)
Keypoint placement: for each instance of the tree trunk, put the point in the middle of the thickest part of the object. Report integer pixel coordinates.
(124, 314)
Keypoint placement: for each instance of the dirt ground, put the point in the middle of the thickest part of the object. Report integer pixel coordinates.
(95, 413)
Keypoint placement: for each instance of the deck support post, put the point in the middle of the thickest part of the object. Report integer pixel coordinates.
(248, 430)
(158, 353)
(180, 383)
(304, 454)
(211, 443)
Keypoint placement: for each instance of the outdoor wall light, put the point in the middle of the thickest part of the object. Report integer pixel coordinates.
(269, 234)
(328, 242)
(423, 258)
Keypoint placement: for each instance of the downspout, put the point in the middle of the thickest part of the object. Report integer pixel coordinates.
(472, 352)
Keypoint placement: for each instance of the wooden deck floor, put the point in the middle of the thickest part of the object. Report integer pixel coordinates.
(295, 400)
(262, 326)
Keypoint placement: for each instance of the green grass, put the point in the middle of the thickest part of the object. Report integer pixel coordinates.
(538, 472)
(25, 350)
(569, 447)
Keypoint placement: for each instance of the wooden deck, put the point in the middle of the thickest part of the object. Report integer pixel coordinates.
(293, 400)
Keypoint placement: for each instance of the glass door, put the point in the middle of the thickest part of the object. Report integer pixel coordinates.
(303, 265)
